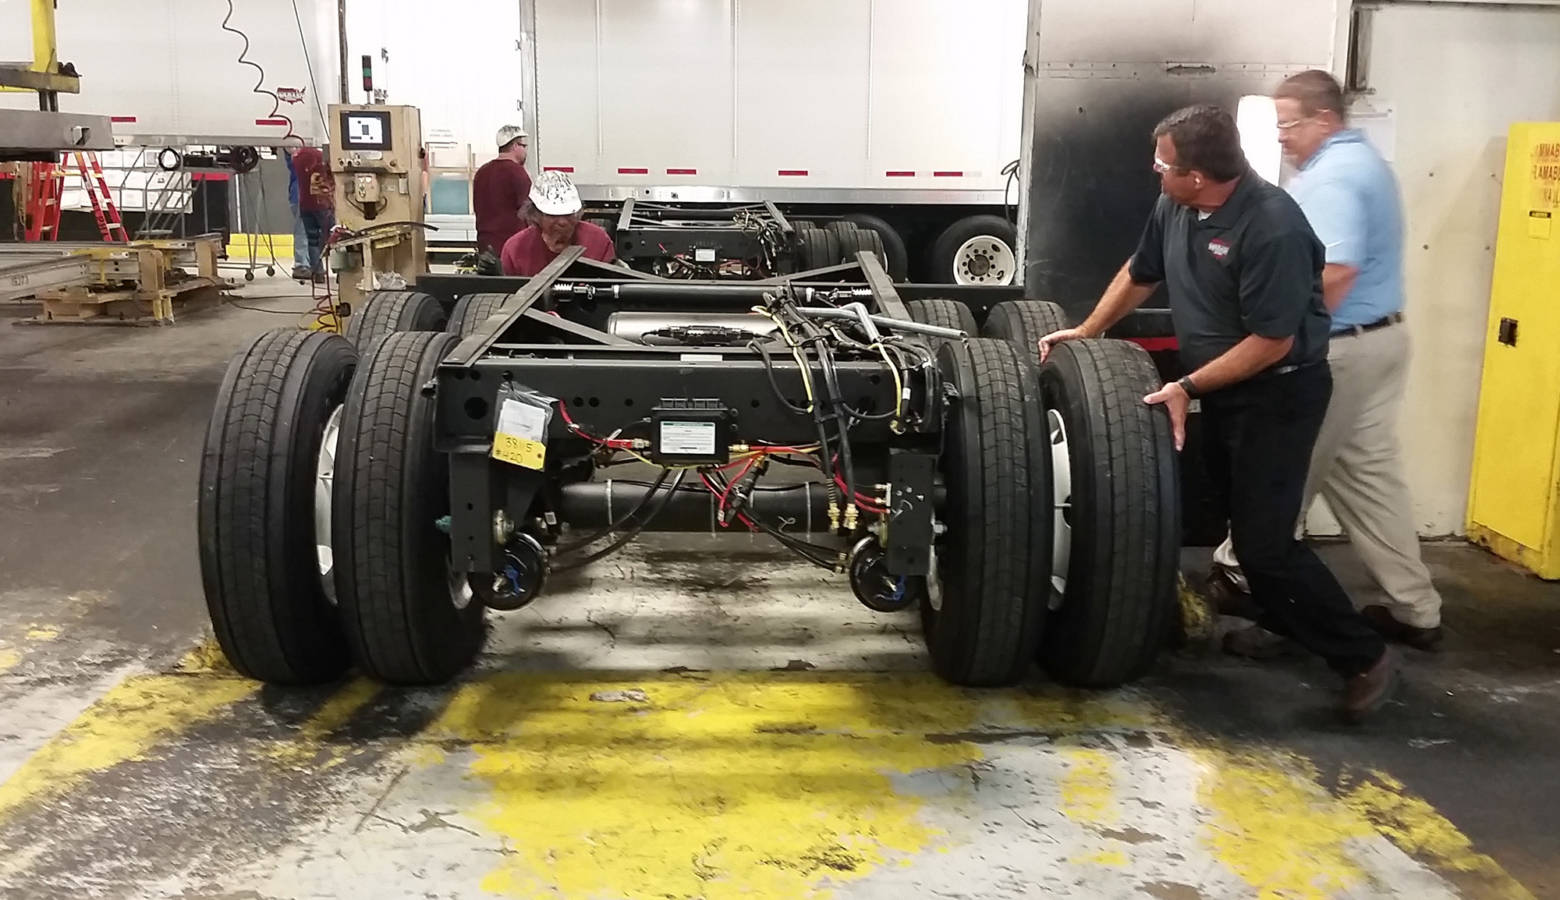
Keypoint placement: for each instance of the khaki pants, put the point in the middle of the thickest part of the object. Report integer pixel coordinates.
(1357, 466)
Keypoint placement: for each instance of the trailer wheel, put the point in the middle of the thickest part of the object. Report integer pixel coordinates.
(820, 248)
(845, 236)
(829, 252)
(1023, 323)
(471, 311)
(840, 229)
(383, 312)
(893, 245)
(976, 250)
(805, 252)
(407, 619)
(860, 239)
(264, 583)
(944, 314)
(983, 610)
(1116, 496)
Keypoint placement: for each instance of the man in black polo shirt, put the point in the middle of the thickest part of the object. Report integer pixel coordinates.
(1244, 275)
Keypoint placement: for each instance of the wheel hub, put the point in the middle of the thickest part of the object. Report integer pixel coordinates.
(984, 259)
(324, 487)
(1061, 506)
(934, 591)
(874, 585)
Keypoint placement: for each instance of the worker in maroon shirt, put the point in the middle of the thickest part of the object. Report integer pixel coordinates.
(316, 203)
(499, 191)
(555, 205)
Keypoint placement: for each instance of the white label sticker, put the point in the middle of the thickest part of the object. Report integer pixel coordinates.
(688, 438)
(704, 254)
(522, 420)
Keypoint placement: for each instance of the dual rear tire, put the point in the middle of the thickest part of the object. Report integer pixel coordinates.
(1114, 495)
(1063, 509)
(320, 502)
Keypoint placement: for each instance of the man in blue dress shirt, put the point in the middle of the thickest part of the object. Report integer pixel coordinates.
(1350, 197)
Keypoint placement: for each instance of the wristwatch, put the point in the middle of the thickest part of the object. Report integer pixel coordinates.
(1186, 384)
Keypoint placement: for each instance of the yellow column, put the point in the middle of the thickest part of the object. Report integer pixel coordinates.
(45, 45)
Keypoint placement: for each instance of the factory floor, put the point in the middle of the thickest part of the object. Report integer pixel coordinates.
(696, 717)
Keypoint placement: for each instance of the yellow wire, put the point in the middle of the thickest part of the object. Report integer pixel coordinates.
(810, 448)
(796, 354)
(899, 385)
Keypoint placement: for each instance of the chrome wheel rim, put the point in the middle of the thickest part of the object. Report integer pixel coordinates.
(324, 487)
(1061, 507)
(984, 259)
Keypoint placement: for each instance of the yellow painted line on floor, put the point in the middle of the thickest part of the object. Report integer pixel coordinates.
(205, 658)
(312, 739)
(1089, 787)
(1418, 830)
(1114, 858)
(125, 724)
(43, 633)
(9, 659)
(1276, 828)
(728, 785)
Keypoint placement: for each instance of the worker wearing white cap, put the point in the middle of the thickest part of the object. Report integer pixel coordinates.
(499, 191)
(555, 204)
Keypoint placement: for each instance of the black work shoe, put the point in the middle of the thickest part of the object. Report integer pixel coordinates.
(1230, 593)
(1368, 691)
(1256, 642)
(1387, 625)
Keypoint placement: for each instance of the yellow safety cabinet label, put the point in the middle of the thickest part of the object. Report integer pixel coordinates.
(1538, 223)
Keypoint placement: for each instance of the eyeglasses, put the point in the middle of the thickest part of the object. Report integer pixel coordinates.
(1292, 123)
(1163, 167)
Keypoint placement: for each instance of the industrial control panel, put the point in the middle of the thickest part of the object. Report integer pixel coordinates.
(377, 157)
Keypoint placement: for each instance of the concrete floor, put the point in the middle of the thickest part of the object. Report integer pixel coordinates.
(694, 718)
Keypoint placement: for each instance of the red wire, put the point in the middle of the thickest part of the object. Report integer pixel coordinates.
(726, 494)
(741, 517)
(563, 410)
(862, 501)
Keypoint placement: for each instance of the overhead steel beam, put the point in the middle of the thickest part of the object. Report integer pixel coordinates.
(29, 130)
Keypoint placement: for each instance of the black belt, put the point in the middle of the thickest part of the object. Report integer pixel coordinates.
(1357, 330)
(1285, 370)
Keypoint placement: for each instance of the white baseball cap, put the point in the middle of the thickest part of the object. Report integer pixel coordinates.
(508, 134)
(554, 194)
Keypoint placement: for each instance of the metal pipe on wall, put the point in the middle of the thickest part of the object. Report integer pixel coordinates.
(341, 38)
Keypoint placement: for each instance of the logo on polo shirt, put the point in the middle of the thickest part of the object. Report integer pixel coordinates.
(1219, 247)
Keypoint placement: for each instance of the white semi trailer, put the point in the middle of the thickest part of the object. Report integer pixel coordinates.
(903, 114)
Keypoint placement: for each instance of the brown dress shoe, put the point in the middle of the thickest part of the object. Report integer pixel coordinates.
(1256, 642)
(1366, 692)
(1230, 593)
(1387, 625)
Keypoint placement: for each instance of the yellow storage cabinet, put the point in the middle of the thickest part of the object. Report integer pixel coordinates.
(1514, 500)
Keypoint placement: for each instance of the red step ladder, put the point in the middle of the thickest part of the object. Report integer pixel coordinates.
(45, 189)
(109, 224)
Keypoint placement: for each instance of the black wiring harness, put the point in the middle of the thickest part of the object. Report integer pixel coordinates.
(812, 344)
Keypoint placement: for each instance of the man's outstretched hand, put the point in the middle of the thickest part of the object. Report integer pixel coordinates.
(1176, 401)
(1056, 337)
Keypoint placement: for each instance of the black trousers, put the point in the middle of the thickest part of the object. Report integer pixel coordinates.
(1259, 436)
